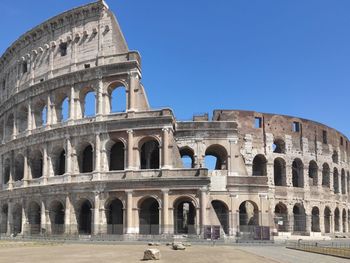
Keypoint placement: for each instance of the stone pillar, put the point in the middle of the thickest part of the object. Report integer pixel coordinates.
(69, 169)
(308, 222)
(96, 221)
(9, 218)
(67, 217)
(130, 149)
(25, 169)
(321, 218)
(97, 165)
(291, 220)
(203, 208)
(49, 111)
(133, 84)
(99, 101)
(129, 206)
(45, 164)
(43, 218)
(165, 214)
(29, 118)
(14, 127)
(72, 104)
(165, 148)
(25, 223)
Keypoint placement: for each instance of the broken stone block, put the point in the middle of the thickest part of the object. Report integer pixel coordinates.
(151, 254)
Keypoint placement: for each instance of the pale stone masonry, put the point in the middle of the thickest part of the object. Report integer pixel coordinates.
(122, 173)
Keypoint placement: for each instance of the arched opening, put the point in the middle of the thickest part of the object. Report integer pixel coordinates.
(9, 127)
(336, 220)
(216, 157)
(84, 219)
(313, 173)
(149, 217)
(281, 217)
(62, 111)
(117, 157)
(335, 181)
(4, 219)
(7, 170)
(335, 157)
(343, 182)
(259, 165)
(86, 162)
(34, 218)
(114, 215)
(150, 155)
(327, 220)
(187, 157)
(57, 214)
(222, 216)
(279, 146)
(279, 172)
(117, 99)
(17, 219)
(299, 219)
(22, 119)
(19, 168)
(184, 216)
(326, 175)
(315, 220)
(248, 216)
(344, 220)
(89, 106)
(36, 164)
(60, 166)
(298, 173)
(39, 112)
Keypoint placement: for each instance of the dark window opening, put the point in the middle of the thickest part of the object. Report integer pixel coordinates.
(116, 161)
(85, 217)
(259, 166)
(298, 173)
(63, 49)
(341, 141)
(150, 155)
(279, 146)
(24, 67)
(87, 160)
(324, 137)
(296, 126)
(86, 65)
(258, 122)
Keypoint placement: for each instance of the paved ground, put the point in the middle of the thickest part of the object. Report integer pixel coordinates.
(282, 254)
(23, 252)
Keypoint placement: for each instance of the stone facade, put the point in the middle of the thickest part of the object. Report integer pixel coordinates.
(64, 172)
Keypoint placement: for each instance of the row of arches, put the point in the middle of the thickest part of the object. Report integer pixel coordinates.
(38, 114)
(149, 159)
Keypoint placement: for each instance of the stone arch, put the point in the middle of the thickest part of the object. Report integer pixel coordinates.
(86, 158)
(149, 216)
(36, 164)
(335, 157)
(315, 219)
(279, 172)
(187, 156)
(336, 220)
(327, 219)
(149, 153)
(343, 182)
(84, 212)
(222, 214)
(17, 219)
(39, 111)
(259, 165)
(117, 94)
(279, 146)
(116, 158)
(281, 217)
(115, 216)
(9, 127)
(88, 102)
(298, 173)
(219, 153)
(19, 168)
(34, 218)
(336, 180)
(62, 107)
(299, 218)
(7, 170)
(344, 220)
(56, 215)
(185, 215)
(4, 219)
(326, 175)
(22, 119)
(59, 161)
(313, 173)
(248, 214)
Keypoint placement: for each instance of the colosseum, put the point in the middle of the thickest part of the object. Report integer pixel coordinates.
(73, 171)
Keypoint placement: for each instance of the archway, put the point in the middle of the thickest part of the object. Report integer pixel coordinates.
(259, 165)
(184, 216)
(248, 215)
(36, 164)
(222, 215)
(115, 217)
(4, 219)
(344, 220)
(335, 181)
(150, 155)
(22, 119)
(187, 156)
(60, 167)
(149, 217)
(118, 99)
(279, 146)
(336, 220)
(326, 175)
(19, 168)
(17, 219)
(281, 217)
(298, 173)
(87, 160)
(313, 173)
(7, 170)
(85, 218)
(327, 220)
(57, 214)
(34, 218)
(299, 219)
(89, 104)
(117, 157)
(279, 172)
(315, 219)
(216, 157)
(343, 182)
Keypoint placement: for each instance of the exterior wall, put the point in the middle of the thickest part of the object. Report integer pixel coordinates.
(36, 186)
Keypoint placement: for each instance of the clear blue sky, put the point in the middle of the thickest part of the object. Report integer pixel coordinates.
(288, 57)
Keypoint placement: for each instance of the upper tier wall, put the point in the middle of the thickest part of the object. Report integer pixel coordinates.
(83, 37)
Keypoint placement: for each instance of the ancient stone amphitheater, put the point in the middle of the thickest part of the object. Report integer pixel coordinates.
(70, 171)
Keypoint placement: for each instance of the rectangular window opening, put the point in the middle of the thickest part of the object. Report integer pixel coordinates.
(86, 65)
(63, 49)
(324, 137)
(258, 122)
(341, 141)
(296, 126)
(24, 67)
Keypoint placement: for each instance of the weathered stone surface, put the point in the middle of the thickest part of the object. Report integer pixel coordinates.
(151, 254)
(178, 246)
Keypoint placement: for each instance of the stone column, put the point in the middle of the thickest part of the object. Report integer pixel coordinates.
(321, 218)
(96, 221)
(67, 217)
(130, 149)
(69, 169)
(308, 222)
(129, 206)
(72, 104)
(45, 164)
(25, 169)
(9, 218)
(165, 148)
(133, 83)
(43, 218)
(49, 111)
(14, 127)
(165, 215)
(29, 118)
(203, 208)
(25, 223)
(97, 153)
(99, 91)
